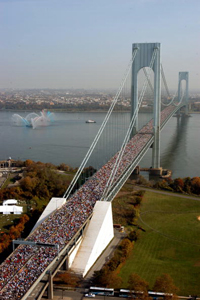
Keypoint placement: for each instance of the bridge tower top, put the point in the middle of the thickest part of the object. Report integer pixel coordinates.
(144, 55)
(148, 55)
(184, 76)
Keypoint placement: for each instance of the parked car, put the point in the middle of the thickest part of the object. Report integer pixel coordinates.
(90, 295)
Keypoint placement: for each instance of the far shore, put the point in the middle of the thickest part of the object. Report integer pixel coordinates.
(79, 110)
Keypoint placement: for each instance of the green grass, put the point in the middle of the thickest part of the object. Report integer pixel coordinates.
(170, 244)
(9, 180)
(6, 183)
(6, 221)
(122, 206)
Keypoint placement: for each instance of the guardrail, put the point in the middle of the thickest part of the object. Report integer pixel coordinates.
(57, 262)
(176, 108)
(129, 170)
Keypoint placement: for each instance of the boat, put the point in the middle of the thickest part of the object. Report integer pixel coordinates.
(90, 121)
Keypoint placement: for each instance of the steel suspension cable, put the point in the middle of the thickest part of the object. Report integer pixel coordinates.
(86, 158)
(166, 88)
(149, 82)
(127, 137)
(183, 94)
(164, 81)
(171, 100)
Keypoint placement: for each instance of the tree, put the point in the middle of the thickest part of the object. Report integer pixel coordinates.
(126, 247)
(106, 278)
(178, 184)
(69, 278)
(28, 183)
(141, 180)
(101, 277)
(136, 283)
(138, 200)
(132, 215)
(133, 235)
(28, 162)
(114, 281)
(195, 185)
(14, 232)
(64, 167)
(115, 261)
(165, 284)
(140, 193)
(19, 163)
(187, 185)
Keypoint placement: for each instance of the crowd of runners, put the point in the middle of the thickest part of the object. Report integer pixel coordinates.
(22, 268)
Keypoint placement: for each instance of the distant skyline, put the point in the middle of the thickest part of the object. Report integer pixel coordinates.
(87, 43)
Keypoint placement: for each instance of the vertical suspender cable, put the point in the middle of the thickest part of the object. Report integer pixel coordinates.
(164, 81)
(121, 152)
(166, 88)
(71, 186)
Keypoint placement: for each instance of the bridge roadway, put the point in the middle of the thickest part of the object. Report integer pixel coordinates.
(22, 271)
(40, 285)
(166, 114)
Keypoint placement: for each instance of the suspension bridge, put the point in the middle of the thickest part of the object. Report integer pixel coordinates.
(29, 270)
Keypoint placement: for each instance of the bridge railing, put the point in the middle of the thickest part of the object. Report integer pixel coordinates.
(120, 182)
(63, 253)
(176, 108)
(129, 170)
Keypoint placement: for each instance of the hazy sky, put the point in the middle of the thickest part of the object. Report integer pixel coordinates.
(87, 43)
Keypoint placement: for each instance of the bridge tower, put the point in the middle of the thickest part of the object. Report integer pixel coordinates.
(184, 76)
(143, 58)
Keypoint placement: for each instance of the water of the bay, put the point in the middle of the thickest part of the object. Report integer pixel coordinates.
(69, 137)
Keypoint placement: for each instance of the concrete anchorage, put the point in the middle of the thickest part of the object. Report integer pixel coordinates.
(143, 59)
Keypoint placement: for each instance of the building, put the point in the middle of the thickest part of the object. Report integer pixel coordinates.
(10, 207)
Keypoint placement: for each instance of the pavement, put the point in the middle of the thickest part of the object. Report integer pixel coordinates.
(140, 187)
(107, 254)
(60, 294)
(2, 180)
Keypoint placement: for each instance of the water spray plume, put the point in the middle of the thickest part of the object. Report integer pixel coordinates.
(34, 120)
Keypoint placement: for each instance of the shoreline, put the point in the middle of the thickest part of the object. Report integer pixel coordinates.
(79, 111)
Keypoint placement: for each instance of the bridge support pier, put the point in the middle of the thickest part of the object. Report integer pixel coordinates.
(155, 172)
(137, 170)
(184, 76)
(66, 264)
(50, 287)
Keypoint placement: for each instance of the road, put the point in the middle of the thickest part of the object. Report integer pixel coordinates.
(106, 255)
(139, 187)
(77, 295)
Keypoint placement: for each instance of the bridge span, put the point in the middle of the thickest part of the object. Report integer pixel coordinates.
(22, 271)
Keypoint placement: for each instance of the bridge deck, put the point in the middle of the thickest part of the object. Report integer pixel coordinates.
(23, 267)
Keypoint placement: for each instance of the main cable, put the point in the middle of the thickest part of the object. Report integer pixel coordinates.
(101, 129)
(164, 81)
(149, 82)
(166, 88)
(127, 137)
(171, 100)
(183, 94)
